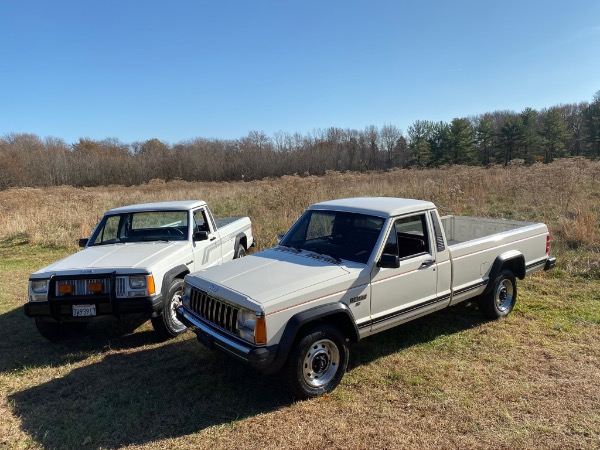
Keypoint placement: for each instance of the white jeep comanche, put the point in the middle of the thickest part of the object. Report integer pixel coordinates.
(134, 262)
(351, 268)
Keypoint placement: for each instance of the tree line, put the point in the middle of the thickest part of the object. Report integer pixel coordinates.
(498, 137)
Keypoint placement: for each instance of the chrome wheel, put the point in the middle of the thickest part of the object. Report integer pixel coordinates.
(504, 295)
(321, 362)
(173, 305)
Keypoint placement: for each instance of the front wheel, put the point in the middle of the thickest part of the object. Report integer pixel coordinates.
(501, 299)
(166, 324)
(317, 362)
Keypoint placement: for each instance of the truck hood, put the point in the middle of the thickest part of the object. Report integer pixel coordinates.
(114, 256)
(270, 274)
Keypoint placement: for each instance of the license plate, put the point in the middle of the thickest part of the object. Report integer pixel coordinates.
(84, 310)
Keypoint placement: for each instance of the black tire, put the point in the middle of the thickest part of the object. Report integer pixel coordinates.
(240, 251)
(166, 324)
(57, 331)
(501, 299)
(317, 362)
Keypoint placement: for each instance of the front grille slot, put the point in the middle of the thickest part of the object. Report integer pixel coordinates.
(120, 289)
(213, 310)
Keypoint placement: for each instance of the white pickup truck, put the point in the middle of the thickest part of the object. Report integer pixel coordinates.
(348, 269)
(134, 262)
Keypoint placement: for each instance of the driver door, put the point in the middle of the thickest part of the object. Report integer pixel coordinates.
(206, 252)
(398, 294)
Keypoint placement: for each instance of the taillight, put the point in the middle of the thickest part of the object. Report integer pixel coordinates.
(547, 244)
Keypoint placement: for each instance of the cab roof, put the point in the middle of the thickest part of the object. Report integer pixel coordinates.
(182, 205)
(376, 206)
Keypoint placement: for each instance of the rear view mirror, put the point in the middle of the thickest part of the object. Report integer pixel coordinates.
(388, 261)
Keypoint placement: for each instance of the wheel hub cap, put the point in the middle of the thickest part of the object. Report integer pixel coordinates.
(504, 295)
(321, 363)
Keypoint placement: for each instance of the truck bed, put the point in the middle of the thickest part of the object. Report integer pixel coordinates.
(460, 229)
(224, 221)
(475, 242)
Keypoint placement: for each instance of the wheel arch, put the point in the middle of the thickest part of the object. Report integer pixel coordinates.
(241, 238)
(337, 314)
(512, 260)
(179, 271)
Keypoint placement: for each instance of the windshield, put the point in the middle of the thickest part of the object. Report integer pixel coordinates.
(341, 235)
(141, 227)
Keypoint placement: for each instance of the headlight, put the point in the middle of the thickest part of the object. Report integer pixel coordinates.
(137, 282)
(135, 286)
(247, 320)
(251, 326)
(39, 286)
(38, 290)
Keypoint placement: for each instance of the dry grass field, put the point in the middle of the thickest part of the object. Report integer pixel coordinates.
(448, 380)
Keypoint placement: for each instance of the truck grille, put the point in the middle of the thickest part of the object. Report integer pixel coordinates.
(85, 286)
(213, 310)
(120, 289)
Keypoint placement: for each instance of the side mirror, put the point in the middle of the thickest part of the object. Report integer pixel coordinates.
(280, 237)
(388, 261)
(201, 235)
(83, 242)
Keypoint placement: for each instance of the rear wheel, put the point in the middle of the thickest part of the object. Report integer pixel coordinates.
(501, 299)
(317, 362)
(166, 324)
(240, 251)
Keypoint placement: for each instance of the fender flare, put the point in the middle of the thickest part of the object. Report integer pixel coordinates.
(238, 239)
(338, 312)
(167, 280)
(512, 258)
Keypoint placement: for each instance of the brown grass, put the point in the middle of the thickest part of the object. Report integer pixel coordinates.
(563, 194)
(449, 380)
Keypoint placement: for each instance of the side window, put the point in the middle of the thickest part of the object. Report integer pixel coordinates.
(437, 228)
(408, 237)
(200, 222)
(391, 245)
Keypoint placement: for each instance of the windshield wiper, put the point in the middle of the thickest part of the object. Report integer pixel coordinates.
(162, 239)
(293, 247)
(335, 258)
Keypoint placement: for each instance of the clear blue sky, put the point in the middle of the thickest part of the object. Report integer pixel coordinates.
(135, 70)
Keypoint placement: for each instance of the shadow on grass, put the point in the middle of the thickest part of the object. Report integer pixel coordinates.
(180, 388)
(172, 390)
(425, 329)
(22, 347)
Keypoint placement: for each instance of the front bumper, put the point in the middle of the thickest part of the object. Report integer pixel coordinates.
(61, 310)
(260, 358)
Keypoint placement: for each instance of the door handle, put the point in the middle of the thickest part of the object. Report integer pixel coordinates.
(213, 238)
(428, 263)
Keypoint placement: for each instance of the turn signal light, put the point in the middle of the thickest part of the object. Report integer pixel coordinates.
(260, 331)
(65, 289)
(96, 288)
(151, 287)
(547, 244)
